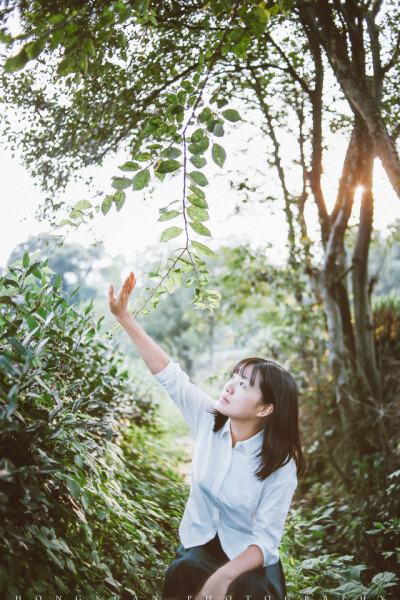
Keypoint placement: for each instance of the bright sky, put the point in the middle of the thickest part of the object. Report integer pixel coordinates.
(135, 228)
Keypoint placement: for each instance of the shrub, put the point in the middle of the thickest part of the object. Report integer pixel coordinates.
(78, 470)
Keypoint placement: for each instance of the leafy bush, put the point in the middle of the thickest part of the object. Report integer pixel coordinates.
(79, 473)
(386, 318)
(320, 554)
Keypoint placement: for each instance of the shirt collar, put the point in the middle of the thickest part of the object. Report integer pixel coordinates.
(249, 446)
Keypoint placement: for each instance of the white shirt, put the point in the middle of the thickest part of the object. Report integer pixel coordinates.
(225, 496)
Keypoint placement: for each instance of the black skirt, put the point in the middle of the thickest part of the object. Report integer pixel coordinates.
(191, 568)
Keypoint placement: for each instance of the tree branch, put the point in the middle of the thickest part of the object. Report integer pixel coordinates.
(291, 70)
(256, 85)
(315, 173)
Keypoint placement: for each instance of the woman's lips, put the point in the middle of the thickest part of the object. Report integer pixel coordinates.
(224, 400)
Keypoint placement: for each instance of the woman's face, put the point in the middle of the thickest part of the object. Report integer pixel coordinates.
(241, 400)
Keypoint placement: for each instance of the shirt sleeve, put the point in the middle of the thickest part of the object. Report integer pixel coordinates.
(270, 517)
(191, 402)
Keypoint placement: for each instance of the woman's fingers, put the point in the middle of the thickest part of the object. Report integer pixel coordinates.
(132, 283)
(122, 297)
(129, 283)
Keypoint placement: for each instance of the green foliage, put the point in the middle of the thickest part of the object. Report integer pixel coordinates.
(170, 233)
(315, 552)
(219, 155)
(74, 263)
(271, 314)
(386, 319)
(87, 497)
(141, 179)
(181, 126)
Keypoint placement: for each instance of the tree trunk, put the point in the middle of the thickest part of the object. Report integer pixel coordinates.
(355, 84)
(333, 271)
(363, 327)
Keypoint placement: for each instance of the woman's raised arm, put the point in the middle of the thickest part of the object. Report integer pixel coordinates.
(154, 357)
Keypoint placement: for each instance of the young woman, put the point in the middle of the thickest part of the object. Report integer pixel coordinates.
(244, 473)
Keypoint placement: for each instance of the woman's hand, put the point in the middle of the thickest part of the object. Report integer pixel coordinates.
(216, 586)
(119, 305)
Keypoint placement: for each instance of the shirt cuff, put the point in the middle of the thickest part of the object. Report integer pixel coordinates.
(165, 373)
(269, 559)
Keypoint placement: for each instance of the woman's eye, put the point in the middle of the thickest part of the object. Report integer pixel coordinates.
(242, 383)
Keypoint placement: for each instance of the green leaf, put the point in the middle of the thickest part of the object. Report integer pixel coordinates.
(211, 293)
(78, 460)
(32, 323)
(169, 215)
(129, 166)
(57, 282)
(198, 178)
(197, 136)
(218, 129)
(222, 102)
(197, 214)
(16, 62)
(170, 233)
(141, 179)
(239, 50)
(150, 128)
(73, 487)
(121, 183)
(231, 115)
(170, 283)
(186, 84)
(204, 115)
(82, 205)
(218, 155)
(203, 249)
(196, 201)
(225, 49)
(197, 191)
(199, 228)
(19, 348)
(5, 38)
(171, 152)
(160, 176)
(54, 19)
(65, 222)
(88, 47)
(33, 49)
(261, 14)
(106, 204)
(65, 64)
(167, 166)
(119, 199)
(199, 148)
(198, 161)
(75, 214)
(25, 260)
(143, 156)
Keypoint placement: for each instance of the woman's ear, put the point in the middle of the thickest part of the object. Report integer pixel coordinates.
(266, 410)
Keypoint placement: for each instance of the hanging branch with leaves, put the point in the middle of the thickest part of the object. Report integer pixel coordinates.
(185, 265)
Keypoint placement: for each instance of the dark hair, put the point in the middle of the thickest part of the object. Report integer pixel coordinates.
(281, 439)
